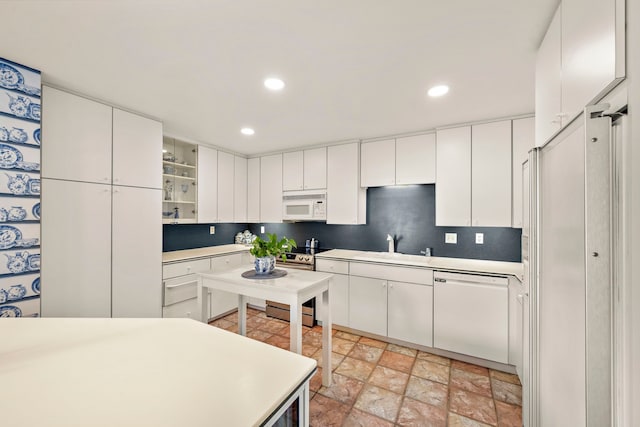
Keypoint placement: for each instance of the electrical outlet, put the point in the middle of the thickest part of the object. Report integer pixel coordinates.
(262, 229)
(212, 229)
(479, 238)
(451, 238)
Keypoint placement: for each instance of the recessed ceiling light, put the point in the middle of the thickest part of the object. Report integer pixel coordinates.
(273, 83)
(247, 131)
(438, 90)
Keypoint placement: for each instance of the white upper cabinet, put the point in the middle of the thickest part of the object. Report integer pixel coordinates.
(304, 170)
(416, 159)
(240, 190)
(137, 150)
(548, 82)
(293, 171)
(207, 185)
(491, 174)
(588, 51)
(581, 56)
(346, 200)
(253, 190)
(271, 188)
(378, 162)
(77, 138)
(453, 177)
(523, 140)
(226, 164)
(315, 169)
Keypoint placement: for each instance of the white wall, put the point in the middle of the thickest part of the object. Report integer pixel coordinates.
(633, 211)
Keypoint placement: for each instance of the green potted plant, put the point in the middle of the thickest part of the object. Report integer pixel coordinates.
(266, 250)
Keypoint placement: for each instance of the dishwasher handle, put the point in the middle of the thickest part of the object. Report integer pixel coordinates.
(439, 279)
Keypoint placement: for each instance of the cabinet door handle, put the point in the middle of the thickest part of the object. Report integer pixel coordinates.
(384, 284)
(390, 286)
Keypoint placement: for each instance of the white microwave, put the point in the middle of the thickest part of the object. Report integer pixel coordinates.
(304, 206)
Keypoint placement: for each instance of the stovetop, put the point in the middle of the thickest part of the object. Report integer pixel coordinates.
(303, 255)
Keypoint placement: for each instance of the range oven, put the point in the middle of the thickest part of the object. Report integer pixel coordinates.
(301, 261)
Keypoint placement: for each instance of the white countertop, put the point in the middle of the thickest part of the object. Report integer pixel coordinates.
(140, 372)
(203, 252)
(437, 263)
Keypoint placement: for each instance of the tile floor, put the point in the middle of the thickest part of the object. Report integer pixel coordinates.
(380, 384)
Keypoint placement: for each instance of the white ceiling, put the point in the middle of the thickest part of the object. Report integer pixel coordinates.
(354, 69)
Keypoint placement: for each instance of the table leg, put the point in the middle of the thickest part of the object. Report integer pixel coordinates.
(242, 314)
(201, 302)
(303, 406)
(295, 328)
(326, 339)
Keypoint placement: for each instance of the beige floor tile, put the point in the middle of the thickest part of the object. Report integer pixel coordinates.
(508, 415)
(233, 328)
(274, 327)
(336, 359)
(480, 370)
(474, 406)
(325, 412)
(379, 402)
(316, 381)
(456, 420)
(358, 418)
(389, 379)
(402, 350)
(397, 361)
(418, 414)
(354, 368)
(503, 376)
(259, 335)
(222, 323)
(434, 358)
(278, 341)
(256, 321)
(427, 391)
(366, 352)
(312, 338)
(373, 343)
(506, 392)
(347, 336)
(470, 381)
(431, 371)
(308, 350)
(343, 389)
(341, 346)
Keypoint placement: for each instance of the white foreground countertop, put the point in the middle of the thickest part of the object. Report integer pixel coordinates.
(437, 263)
(208, 251)
(140, 372)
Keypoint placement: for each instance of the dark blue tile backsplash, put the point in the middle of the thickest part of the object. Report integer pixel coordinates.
(408, 213)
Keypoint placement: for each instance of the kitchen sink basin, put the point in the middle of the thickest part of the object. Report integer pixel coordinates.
(394, 258)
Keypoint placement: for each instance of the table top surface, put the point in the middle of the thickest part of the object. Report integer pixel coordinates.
(295, 282)
(125, 372)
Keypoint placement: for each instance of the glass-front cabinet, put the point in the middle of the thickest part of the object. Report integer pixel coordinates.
(179, 167)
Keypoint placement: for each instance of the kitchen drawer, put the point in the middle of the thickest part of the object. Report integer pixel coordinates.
(399, 274)
(183, 268)
(180, 288)
(188, 308)
(332, 266)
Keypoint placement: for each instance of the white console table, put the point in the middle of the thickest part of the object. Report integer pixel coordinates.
(294, 289)
(144, 372)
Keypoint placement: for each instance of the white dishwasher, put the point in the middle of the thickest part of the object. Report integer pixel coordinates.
(471, 315)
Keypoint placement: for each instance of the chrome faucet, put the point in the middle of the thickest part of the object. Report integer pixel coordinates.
(390, 240)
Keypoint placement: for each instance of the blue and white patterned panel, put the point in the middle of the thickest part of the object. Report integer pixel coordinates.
(19, 236)
(19, 78)
(19, 287)
(21, 106)
(20, 111)
(19, 184)
(19, 210)
(25, 308)
(19, 132)
(19, 158)
(19, 262)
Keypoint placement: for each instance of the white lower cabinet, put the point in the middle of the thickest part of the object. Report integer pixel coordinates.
(368, 305)
(409, 313)
(180, 287)
(101, 252)
(515, 324)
